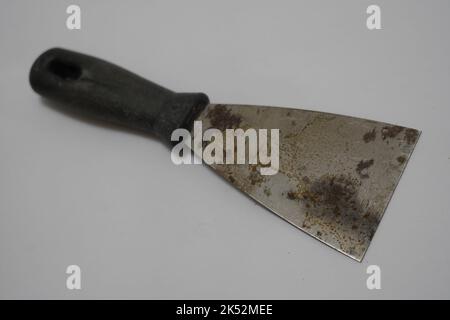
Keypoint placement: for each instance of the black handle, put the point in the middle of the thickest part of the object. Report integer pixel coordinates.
(107, 92)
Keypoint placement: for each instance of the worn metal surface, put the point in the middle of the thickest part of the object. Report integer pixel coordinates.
(336, 176)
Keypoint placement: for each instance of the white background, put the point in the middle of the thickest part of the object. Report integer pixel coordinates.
(112, 202)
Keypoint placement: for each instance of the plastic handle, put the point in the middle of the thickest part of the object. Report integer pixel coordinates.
(104, 91)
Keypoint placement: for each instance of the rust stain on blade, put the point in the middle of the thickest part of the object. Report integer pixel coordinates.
(336, 173)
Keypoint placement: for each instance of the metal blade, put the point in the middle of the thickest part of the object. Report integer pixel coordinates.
(336, 173)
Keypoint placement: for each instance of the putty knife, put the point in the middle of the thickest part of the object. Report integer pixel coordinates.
(336, 173)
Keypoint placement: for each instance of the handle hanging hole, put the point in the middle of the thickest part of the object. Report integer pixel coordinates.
(64, 69)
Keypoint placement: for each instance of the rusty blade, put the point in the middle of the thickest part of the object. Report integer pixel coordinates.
(336, 173)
